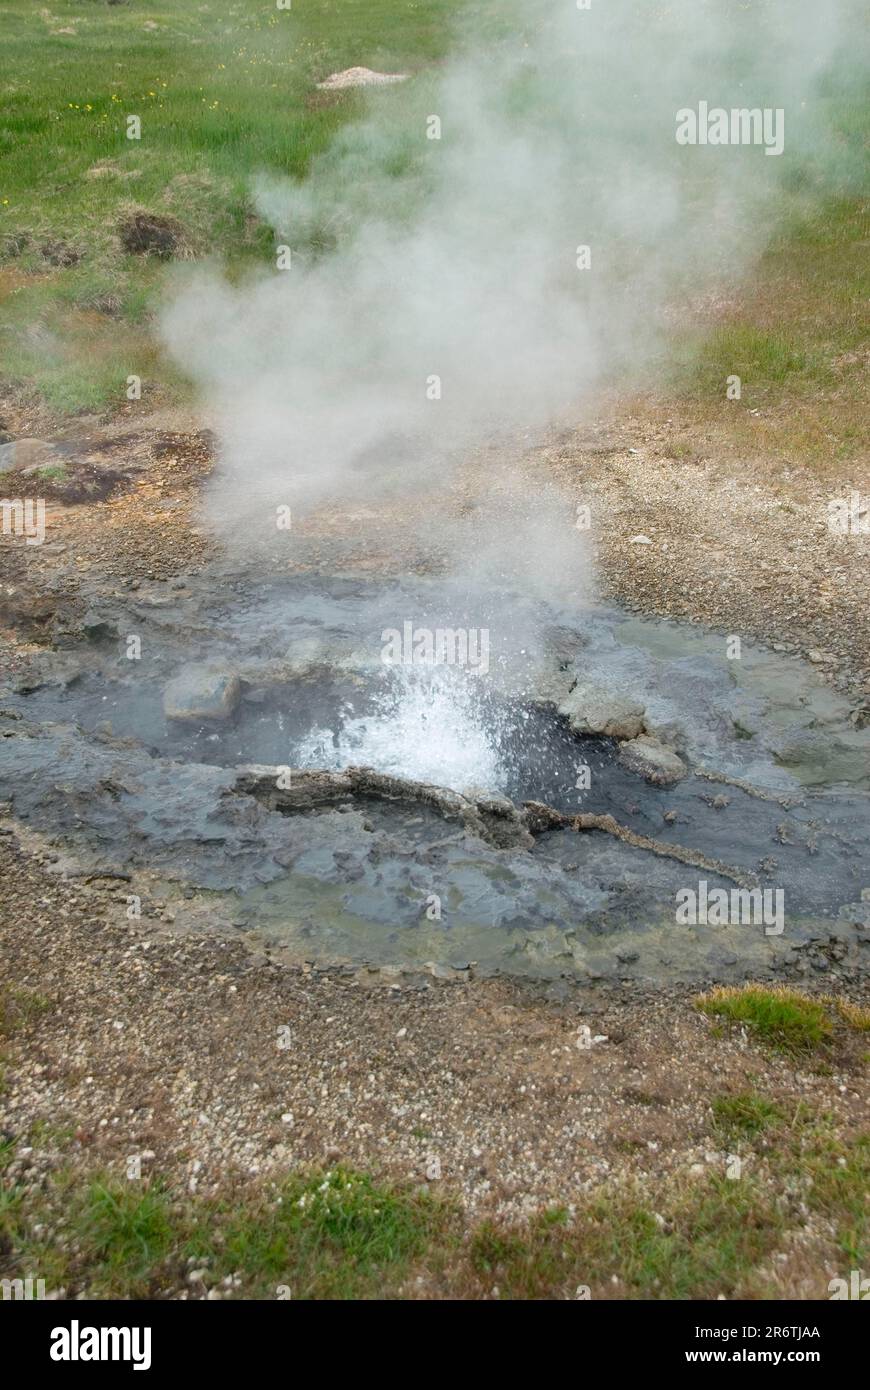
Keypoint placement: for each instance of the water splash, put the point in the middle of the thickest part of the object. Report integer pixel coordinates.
(431, 723)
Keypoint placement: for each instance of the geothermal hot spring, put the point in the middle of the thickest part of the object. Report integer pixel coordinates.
(252, 759)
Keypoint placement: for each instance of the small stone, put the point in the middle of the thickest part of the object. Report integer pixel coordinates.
(592, 709)
(359, 77)
(202, 692)
(98, 628)
(653, 761)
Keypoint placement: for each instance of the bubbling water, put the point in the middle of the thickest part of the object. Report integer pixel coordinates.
(432, 723)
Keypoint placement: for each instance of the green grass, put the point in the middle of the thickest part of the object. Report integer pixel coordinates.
(857, 1016)
(224, 92)
(746, 1114)
(335, 1234)
(228, 92)
(343, 1234)
(332, 1235)
(126, 1233)
(702, 1239)
(20, 1007)
(784, 1018)
(796, 336)
(696, 1241)
(806, 311)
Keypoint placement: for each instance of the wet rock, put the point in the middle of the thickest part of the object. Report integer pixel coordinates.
(308, 658)
(564, 645)
(493, 819)
(306, 655)
(539, 818)
(24, 454)
(28, 612)
(202, 692)
(652, 760)
(503, 821)
(592, 709)
(97, 628)
(542, 682)
(816, 755)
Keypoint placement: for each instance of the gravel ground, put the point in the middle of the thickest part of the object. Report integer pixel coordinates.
(212, 1061)
(745, 549)
(168, 1045)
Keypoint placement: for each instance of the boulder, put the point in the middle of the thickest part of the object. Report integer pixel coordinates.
(359, 77)
(26, 454)
(652, 760)
(202, 692)
(306, 656)
(97, 628)
(592, 709)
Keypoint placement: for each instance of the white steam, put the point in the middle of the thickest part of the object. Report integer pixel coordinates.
(456, 258)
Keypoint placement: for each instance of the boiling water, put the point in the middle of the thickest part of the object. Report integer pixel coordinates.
(431, 724)
(91, 759)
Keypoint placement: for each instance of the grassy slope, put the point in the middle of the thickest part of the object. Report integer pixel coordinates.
(223, 92)
(797, 337)
(228, 90)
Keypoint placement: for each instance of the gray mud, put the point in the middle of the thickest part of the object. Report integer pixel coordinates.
(89, 757)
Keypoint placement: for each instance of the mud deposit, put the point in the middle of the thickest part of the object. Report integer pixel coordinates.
(775, 791)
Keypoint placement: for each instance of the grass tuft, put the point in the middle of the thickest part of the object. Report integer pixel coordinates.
(127, 1233)
(856, 1015)
(20, 1007)
(782, 1017)
(746, 1114)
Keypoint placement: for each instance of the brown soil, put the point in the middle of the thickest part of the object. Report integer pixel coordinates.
(151, 1041)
